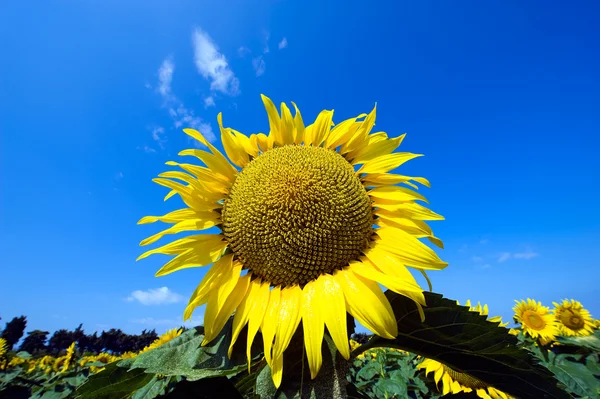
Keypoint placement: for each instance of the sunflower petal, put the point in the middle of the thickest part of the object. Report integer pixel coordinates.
(299, 124)
(220, 162)
(288, 318)
(333, 309)
(342, 132)
(255, 318)
(171, 217)
(233, 147)
(287, 125)
(269, 323)
(274, 120)
(201, 221)
(385, 163)
(242, 313)
(212, 249)
(377, 149)
(409, 249)
(395, 194)
(277, 370)
(211, 279)
(366, 302)
(410, 210)
(320, 129)
(312, 324)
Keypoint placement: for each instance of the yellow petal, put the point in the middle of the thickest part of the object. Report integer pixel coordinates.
(333, 309)
(404, 285)
(212, 181)
(388, 179)
(211, 250)
(243, 312)
(320, 129)
(218, 295)
(231, 303)
(255, 318)
(212, 279)
(410, 210)
(198, 186)
(312, 324)
(361, 138)
(342, 132)
(263, 142)
(385, 163)
(201, 221)
(299, 124)
(274, 120)
(288, 318)
(171, 217)
(366, 302)
(221, 163)
(233, 147)
(269, 323)
(409, 249)
(277, 370)
(218, 165)
(375, 150)
(395, 194)
(287, 125)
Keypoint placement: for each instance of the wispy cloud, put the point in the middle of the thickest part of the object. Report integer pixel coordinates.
(155, 296)
(212, 65)
(146, 149)
(119, 176)
(209, 102)
(283, 44)
(517, 255)
(486, 266)
(259, 65)
(484, 241)
(181, 115)
(243, 51)
(266, 37)
(477, 258)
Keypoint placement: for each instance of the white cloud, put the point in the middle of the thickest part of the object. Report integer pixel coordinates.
(165, 77)
(283, 44)
(484, 241)
(486, 266)
(525, 255)
(213, 65)
(181, 115)
(147, 85)
(477, 259)
(259, 65)
(266, 36)
(504, 257)
(155, 296)
(244, 51)
(147, 149)
(209, 102)
(119, 176)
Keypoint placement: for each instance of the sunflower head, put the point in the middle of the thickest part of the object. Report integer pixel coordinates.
(163, 339)
(3, 347)
(573, 319)
(311, 223)
(455, 382)
(536, 320)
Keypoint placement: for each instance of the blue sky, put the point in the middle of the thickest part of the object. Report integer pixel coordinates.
(500, 96)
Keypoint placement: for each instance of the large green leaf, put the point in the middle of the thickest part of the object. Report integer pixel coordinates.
(577, 377)
(155, 387)
(468, 343)
(113, 382)
(591, 342)
(183, 356)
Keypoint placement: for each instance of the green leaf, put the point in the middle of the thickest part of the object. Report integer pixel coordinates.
(208, 388)
(576, 376)
(184, 356)
(23, 355)
(468, 343)
(390, 388)
(113, 382)
(591, 342)
(155, 387)
(369, 371)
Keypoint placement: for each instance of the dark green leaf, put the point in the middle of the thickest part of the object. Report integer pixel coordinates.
(390, 388)
(113, 382)
(576, 376)
(591, 342)
(208, 388)
(155, 387)
(468, 343)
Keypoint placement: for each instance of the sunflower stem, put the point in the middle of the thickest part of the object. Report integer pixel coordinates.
(543, 350)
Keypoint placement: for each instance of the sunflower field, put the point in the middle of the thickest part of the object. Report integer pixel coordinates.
(304, 231)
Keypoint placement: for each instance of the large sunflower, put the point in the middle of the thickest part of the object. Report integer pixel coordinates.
(536, 320)
(455, 382)
(573, 319)
(310, 225)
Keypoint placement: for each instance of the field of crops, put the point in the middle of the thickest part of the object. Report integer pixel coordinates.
(177, 365)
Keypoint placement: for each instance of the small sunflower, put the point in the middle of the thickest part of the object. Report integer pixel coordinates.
(163, 339)
(3, 347)
(483, 310)
(536, 320)
(597, 324)
(573, 319)
(68, 357)
(454, 381)
(310, 225)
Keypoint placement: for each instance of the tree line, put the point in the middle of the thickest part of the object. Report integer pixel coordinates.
(38, 343)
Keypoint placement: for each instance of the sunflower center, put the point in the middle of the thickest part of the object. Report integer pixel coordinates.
(572, 320)
(295, 213)
(533, 320)
(465, 379)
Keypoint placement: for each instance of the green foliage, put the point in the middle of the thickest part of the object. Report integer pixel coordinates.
(468, 343)
(113, 382)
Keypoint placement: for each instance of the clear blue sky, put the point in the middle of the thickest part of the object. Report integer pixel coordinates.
(502, 97)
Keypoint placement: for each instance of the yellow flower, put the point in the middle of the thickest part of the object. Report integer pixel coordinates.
(514, 331)
(536, 320)
(163, 339)
(128, 355)
(573, 319)
(297, 240)
(454, 381)
(68, 357)
(353, 344)
(484, 312)
(59, 364)
(597, 324)
(3, 347)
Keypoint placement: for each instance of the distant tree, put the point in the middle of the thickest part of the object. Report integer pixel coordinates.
(361, 338)
(35, 342)
(14, 330)
(60, 340)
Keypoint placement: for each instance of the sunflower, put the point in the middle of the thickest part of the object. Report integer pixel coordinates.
(68, 357)
(163, 339)
(536, 320)
(310, 224)
(483, 310)
(3, 347)
(573, 319)
(454, 381)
